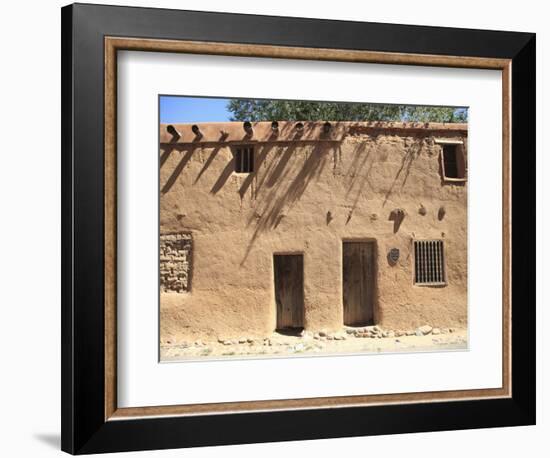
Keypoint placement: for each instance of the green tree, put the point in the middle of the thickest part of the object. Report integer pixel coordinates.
(297, 110)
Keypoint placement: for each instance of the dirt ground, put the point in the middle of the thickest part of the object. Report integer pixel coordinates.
(364, 340)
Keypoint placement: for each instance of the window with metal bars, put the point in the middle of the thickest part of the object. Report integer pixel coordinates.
(244, 159)
(429, 262)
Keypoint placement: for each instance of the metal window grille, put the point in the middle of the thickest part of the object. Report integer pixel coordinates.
(244, 159)
(429, 262)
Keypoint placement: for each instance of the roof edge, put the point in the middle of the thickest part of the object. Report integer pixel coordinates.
(268, 131)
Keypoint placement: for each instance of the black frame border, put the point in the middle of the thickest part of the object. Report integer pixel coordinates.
(84, 429)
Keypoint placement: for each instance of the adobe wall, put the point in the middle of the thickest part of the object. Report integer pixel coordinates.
(307, 195)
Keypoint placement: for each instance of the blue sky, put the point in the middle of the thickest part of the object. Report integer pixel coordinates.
(174, 109)
(182, 109)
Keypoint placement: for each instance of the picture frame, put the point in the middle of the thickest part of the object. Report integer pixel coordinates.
(92, 35)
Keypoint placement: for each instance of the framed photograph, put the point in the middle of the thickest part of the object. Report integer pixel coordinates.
(282, 228)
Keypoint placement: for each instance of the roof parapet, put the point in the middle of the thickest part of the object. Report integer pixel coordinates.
(286, 131)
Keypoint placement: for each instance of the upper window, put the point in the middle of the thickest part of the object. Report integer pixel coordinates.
(452, 162)
(429, 263)
(244, 159)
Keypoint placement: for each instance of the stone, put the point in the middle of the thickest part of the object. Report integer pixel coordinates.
(299, 347)
(436, 331)
(424, 330)
(242, 340)
(391, 334)
(410, 333)
(175, 253)
(323, 333)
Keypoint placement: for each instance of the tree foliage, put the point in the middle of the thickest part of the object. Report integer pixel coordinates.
(297, 110)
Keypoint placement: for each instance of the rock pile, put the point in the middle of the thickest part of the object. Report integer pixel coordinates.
(369, 332)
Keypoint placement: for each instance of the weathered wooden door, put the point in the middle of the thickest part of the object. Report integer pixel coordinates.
(289, 290)
(359, 278)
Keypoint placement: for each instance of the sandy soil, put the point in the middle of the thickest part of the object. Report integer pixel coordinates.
(279, 345)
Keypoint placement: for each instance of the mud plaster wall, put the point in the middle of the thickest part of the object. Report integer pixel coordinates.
(307, 197)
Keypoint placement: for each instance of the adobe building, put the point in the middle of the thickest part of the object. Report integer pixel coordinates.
(316, 225)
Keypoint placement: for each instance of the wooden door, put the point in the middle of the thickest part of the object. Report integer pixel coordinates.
(289, 290)
(358, 266)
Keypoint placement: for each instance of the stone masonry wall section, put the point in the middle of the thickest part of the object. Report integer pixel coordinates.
(175, 262)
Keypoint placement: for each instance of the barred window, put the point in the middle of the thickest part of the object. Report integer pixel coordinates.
(244, 159)
(429, 262)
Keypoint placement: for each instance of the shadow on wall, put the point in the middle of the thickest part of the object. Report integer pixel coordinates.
(284, 191)
(397, 216)
(259, 160)
(224, 176)
(357, 175)
(179, 167)
(52, 440)
(208, 162)
(412, 151)
(188, 152)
